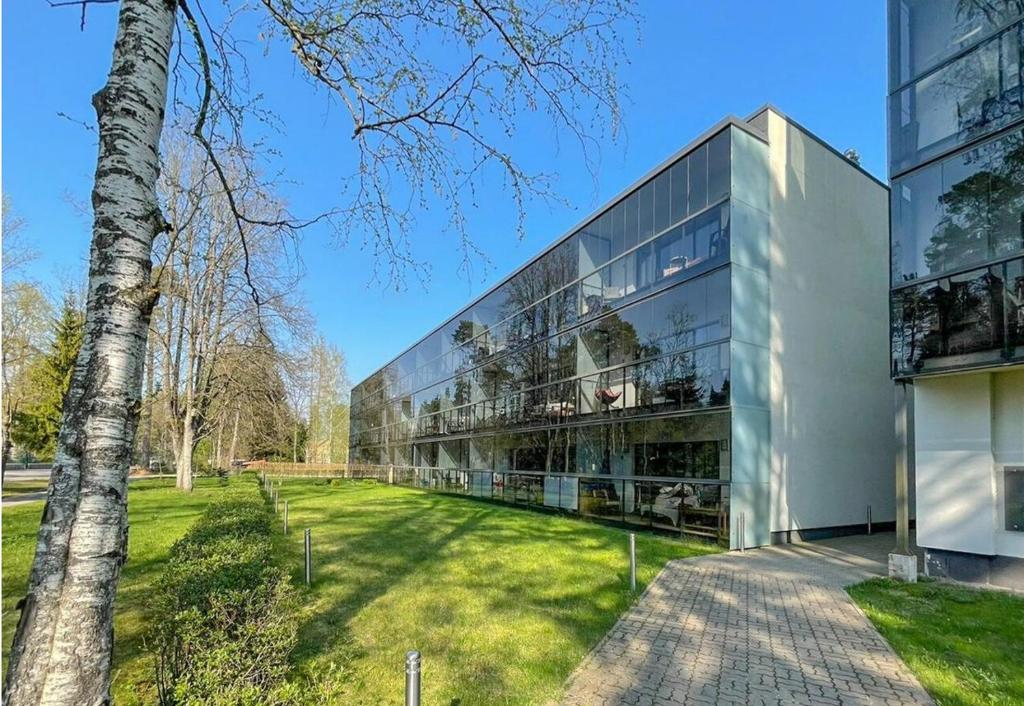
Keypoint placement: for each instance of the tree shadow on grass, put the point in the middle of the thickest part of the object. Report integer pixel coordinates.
(439, 558)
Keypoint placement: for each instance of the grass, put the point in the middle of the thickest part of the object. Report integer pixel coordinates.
(965, 645)
(158, 515)
(20, 487)
(502, 603)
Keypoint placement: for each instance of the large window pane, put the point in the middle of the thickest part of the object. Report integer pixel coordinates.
(922, 33)
(975, 95)
(695, 446)
(697, 246)
(678, 191)
(662, 211)
(698, 180)
(630, 217)
(646, 211)
(971, 319)
(719, 166)
(600, 498)
(962, 211)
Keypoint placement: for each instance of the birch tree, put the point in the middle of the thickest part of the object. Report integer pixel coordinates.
(62, 649)
(432, 93)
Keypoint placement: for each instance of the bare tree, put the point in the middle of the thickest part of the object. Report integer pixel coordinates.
(206, 276)
(17, 251)
(421, 119)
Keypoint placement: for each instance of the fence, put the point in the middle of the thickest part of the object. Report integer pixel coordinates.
(319, 470)
(690, 507)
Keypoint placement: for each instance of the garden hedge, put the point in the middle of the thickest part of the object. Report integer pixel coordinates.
(224, 623)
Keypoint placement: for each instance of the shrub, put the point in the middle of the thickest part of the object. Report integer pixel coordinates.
(224, 623)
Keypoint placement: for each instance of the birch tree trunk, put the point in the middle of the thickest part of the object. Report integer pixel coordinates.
(187, 449)
(234, 438)
(62, 650)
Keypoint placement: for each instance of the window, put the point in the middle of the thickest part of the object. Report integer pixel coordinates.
(967, 209)
(698, 179)
(646, 211)
(631, 216)
(662, 212)
(677, 191)
(696, 246)
(1013, 499)
(975, 95)
(923, 33)
(719, 166)
(969, 319)
(595, 248)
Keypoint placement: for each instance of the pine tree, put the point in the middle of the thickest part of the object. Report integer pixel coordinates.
(37, 427)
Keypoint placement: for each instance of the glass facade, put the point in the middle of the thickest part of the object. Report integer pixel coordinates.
(594, 380)
(956, 126)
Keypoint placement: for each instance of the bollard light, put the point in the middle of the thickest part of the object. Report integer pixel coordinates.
(412, 678)
(286, 517)
(309, 558)
(632, 562)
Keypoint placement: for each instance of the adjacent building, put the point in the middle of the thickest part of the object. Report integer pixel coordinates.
(956, 148)
(706, 354)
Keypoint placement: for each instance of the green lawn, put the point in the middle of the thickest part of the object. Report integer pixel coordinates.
(502, 603)
(20, 487)
(158, 514)
(965, 645)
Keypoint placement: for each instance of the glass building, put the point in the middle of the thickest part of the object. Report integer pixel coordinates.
(630, 372)
(956, 147)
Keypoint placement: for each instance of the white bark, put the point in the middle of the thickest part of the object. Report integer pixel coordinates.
(186, 450)
(234, 438)
(62, 650)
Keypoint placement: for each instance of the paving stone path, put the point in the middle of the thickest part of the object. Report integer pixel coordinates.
(771, 626)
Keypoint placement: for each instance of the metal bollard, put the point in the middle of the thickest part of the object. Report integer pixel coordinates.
(275, 502)
(412, 678)
(869, 519)
(286, 517)
(632, 562)
(743, 532)
(309, 558)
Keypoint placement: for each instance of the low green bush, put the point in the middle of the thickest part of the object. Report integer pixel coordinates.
(224, 622)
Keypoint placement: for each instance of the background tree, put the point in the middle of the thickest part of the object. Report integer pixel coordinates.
(327, 409)
(37, 424)
(26, 323)
(17, 250)
(207, 275)
(433, 93)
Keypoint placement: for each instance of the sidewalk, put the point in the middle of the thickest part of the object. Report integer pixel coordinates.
(766, 626)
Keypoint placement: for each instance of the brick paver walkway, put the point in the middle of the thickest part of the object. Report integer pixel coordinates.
(771, 626)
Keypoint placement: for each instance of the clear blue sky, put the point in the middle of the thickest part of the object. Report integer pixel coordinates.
(821, 62)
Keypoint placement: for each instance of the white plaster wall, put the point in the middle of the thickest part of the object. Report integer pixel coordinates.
(831, 398)
(954, 476)
(1007, 449)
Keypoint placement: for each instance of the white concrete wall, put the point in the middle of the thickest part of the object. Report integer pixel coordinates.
(967, 427)
(953, 444)
(1007, 449)
(832, 438)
